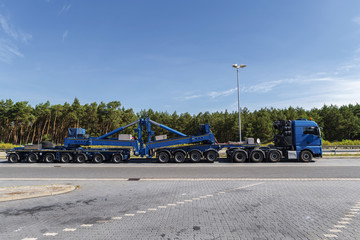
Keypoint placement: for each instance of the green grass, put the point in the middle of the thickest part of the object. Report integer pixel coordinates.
(8, 145)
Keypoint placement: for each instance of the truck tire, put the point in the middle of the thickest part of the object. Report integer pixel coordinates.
(117, 158)
(306, 156)
(163, 157)
(13, 158)
(98, 158)
(239, 156)
(65, 157)
(256, 156)
(195, 156)
(274, 156)
(80, 158)
(179, 157)
(49, 158)
(211, 156)
(32, 158)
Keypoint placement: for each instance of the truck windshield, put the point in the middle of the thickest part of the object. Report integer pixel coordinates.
(312, 130)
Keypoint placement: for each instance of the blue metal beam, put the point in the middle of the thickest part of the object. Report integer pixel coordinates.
(117, 130)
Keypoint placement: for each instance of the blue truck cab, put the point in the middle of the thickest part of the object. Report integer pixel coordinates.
(307, 137)
(298, 139)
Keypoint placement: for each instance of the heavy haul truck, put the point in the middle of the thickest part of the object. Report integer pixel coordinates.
(298, 139)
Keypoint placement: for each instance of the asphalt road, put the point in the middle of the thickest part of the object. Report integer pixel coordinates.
(317, 200)
(321, 168)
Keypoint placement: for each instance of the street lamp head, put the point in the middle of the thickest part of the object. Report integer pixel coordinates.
(238, 66)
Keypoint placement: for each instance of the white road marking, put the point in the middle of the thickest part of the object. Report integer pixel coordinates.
(29, 239)
(129, 214)
(69, 229)
(50, 234)
(182, 179)
(102, 221)
(171, 204)
(187, 200)
(330, 235)
(152, 209)
(180, 202)
(141, 212)
(116, 218)
(334, 230)
(196, 198)
(209, 195)
(161, 206)
(203, 196)
(86, 225)
(346, 219)
(349, 215)
(339, 226)
(343, 222)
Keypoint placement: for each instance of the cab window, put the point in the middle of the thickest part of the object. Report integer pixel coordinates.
(311, 130)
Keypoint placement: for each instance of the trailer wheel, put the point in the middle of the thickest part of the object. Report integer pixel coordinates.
(98, 158)
(80, 158)
(257, 156)
(32, 158)
(239, 156)
(163, 157)
(306, 156)
(179, 157)
(274, 156)
(49, 158)
(195, 156)
(211, 156)
(117, 158)
(65, 158)
(13, 158)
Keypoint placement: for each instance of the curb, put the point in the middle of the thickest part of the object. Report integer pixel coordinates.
(25, 192)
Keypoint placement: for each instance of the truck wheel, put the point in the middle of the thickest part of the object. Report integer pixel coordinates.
(256, 156)
(179, 157)
(32, 158)
(239, 156)
(80, 158)
(13, 158)
(163, 157)
(211, 156)
(65, 158)
(306, 156)
(98, 158)
(49, 158)
(117, 158)
(274, 156)
(195, 156)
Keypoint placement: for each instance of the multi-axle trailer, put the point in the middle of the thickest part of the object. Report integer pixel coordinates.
(298, 139)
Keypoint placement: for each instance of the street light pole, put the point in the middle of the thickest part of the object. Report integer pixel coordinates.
(238, 90)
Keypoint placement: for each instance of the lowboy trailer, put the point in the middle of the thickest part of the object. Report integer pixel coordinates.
(298, 139)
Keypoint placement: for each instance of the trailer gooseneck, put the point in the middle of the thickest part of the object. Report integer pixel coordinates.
(299, 139)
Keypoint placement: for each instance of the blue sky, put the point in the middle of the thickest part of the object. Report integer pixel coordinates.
(177, 55)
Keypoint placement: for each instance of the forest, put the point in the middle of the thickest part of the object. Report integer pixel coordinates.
(20, 123)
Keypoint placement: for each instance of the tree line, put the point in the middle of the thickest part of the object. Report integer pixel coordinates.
(20, 123)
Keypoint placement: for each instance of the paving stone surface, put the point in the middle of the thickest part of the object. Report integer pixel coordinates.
(258, 210)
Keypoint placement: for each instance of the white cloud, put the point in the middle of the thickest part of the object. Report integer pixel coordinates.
(356, 20)
(222, 93)
(12, 32)
(12, 37)
(192, 96)
(8, 51)
(65, 34)
(65, 8)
